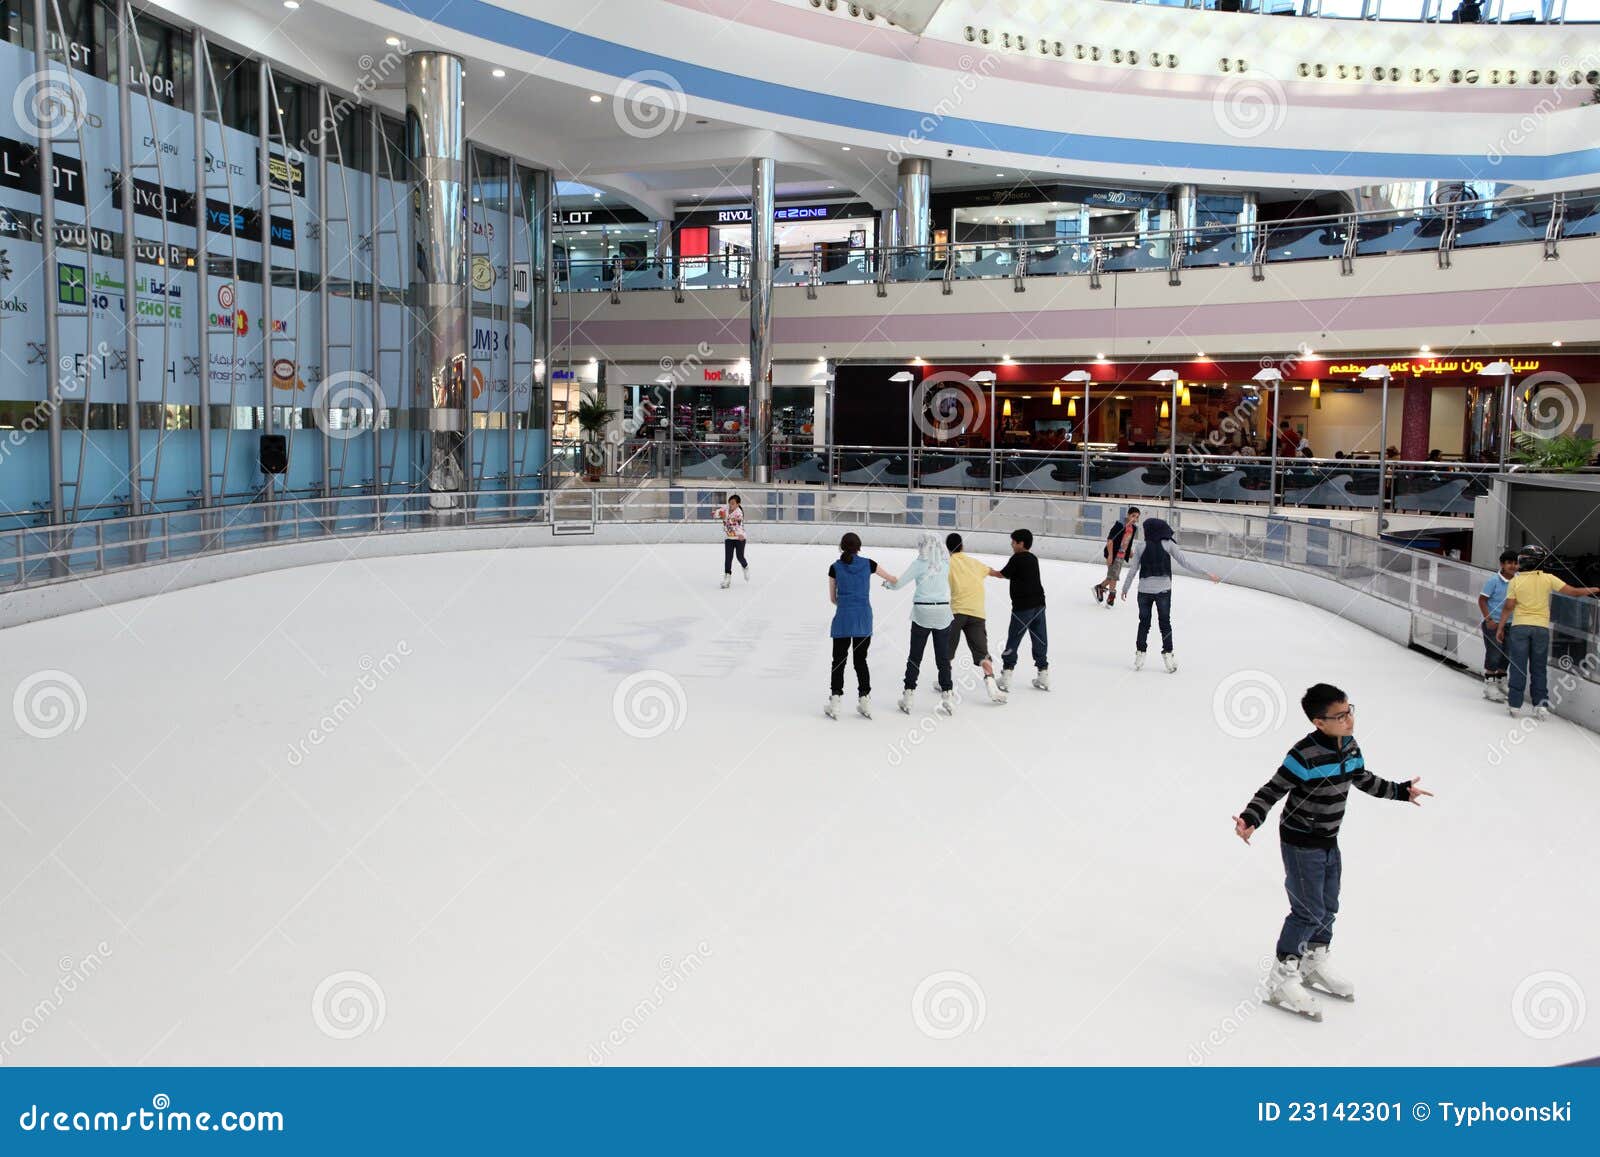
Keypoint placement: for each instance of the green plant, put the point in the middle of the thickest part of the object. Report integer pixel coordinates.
(1564, 453)
(593, 414)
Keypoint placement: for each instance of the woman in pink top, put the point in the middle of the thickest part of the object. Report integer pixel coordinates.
(732, 515)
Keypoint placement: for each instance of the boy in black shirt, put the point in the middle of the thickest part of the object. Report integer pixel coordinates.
(1027, 611)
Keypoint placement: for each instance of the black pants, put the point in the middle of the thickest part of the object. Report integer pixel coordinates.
(942, 640)
(731, 547)
(842, 648)
(1162, 602)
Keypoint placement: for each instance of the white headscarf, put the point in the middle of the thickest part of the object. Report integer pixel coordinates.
(932, 552)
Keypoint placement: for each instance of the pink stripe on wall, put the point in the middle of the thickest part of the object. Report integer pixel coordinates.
(1327, 315)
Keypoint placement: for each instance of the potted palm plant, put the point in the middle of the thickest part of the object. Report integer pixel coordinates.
(1558, 455)
(593, 415)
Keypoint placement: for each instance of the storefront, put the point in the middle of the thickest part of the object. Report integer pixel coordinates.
(718, 239)
(592, 244)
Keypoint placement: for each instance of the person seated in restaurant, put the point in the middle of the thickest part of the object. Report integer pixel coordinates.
(1435, 456)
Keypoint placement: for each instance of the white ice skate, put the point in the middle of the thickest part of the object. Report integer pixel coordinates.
(864, 707)
(947, 702)
(1042, 680)
(1541, 712)
(1513, 711)
(995, 694)
(1316, 973)
(905, 700)
(1138, 660)
(1170, 660)
(1288, 990)
(832, 709)
(727, 581)
(1005, 681)
(746, 569)
(1493, 689)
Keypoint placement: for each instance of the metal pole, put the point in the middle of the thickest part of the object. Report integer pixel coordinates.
(1085, 440)
(264, 176)
(202, 57)
(52, 337)
(130, 266)
(322, 281)
(763, 186)
(1505, 421)
(672, 430)
(828, 423)
(991, 437)
(376, 141)
(1383, 445)
(1272, 476)
(911, 458)
(513, 198)
(1175, 487)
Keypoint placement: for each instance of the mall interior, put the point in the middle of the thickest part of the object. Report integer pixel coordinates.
(287, 285)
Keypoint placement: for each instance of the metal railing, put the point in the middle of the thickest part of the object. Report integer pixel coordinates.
(1435, 590)
(1443, 228)
(1399, 11)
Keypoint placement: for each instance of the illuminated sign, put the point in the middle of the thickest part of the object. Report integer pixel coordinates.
(1422, 367)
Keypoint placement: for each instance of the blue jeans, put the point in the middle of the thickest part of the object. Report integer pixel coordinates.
(1162, 602)
(1031, 620)
(1528, 647)
(942, 640)
(1311, 877)
(1494, 655)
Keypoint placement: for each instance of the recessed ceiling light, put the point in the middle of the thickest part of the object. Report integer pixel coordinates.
(1427, 349)
(595, 98)
(999, 174)
(1555, 343)
(1099, 357)
(497, 73)
(1200, 357)
(392, 41)
(291, 5)
(844, 148)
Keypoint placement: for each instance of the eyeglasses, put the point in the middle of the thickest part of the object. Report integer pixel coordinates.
(1340, 717)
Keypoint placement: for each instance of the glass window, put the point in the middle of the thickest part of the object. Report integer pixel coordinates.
(1402, 9)
(1582, 10)
(1341, 9)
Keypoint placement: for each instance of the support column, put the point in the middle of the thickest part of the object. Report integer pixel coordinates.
(913, 221)
(130, 264)
(1416, 420)
(763, 183)
(54, 372)
(1247, 223)
(436, 148)
(1185, 211)
(202, 275)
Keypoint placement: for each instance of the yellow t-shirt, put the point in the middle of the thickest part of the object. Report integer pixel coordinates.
(1532, 592)
(967, 576)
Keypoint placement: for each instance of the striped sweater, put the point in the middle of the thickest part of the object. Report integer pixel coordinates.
(1317, 776)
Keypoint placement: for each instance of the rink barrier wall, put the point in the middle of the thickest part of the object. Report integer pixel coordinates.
(1406, 596)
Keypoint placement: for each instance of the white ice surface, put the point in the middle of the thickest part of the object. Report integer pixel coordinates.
(517, 875)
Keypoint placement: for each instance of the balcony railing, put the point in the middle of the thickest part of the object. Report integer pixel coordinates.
(1441, 229)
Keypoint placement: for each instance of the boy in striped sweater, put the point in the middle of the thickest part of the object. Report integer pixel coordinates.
(1317, 776)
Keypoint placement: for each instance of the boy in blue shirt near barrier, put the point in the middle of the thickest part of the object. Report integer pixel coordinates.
(1490, 603)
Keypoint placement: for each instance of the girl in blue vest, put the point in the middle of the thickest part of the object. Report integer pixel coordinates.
(1153, 565)
(849, 585)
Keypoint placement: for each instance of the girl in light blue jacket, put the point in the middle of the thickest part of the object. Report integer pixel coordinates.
(930, 617)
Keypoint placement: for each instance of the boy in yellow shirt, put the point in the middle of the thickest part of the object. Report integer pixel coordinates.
(1527, 608)
(968, 606)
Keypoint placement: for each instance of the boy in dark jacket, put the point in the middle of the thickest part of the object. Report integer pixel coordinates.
(1118, 550)
(1317, 776)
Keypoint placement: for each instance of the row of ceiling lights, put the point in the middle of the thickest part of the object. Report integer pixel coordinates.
(1382, 72)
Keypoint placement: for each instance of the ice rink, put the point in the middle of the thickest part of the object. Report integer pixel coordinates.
(578, 805)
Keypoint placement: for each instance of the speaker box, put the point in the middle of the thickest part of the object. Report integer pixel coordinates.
(274, 454)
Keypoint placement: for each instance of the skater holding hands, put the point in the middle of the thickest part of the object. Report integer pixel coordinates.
(1119, 546)
(849, 590)
(1316, 776)
(930, 618)
(732, 515)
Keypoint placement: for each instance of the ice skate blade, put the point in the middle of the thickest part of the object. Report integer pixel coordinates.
(1309, 1014)
(1320, 990)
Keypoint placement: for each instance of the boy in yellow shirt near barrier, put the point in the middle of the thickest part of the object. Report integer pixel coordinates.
(1527, 609)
